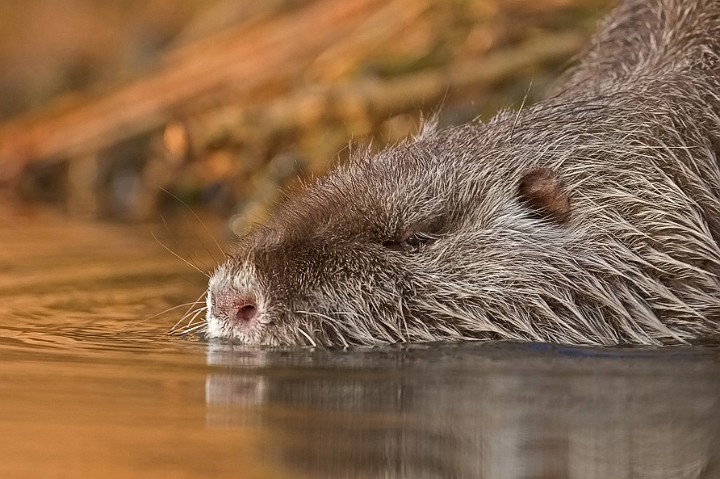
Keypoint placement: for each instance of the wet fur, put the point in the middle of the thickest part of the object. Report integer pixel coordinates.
(617, 244)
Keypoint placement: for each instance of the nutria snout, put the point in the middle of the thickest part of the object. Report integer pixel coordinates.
(590, 218)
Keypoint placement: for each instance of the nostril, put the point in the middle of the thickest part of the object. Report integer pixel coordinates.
(246, 312)
(238, 308)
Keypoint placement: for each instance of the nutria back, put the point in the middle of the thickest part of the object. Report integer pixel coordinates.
(592, 217)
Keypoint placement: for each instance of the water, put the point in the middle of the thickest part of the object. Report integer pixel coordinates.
(92, 386)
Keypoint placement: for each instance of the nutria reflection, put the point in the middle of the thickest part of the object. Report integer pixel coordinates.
(474, 410)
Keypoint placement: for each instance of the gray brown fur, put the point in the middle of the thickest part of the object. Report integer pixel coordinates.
(590, 218)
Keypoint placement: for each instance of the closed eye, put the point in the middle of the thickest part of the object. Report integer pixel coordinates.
(411, 244)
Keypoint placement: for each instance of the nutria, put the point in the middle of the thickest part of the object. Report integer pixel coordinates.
(592, 217)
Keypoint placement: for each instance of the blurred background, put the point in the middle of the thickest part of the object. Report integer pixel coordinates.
(132, 109)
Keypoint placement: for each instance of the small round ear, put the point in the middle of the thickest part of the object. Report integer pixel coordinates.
(541, 190)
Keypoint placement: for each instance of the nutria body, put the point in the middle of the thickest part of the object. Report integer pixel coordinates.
(590, 218)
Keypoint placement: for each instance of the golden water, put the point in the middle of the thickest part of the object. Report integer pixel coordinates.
(92, 386)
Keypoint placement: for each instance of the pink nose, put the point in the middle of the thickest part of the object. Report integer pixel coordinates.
(237, 308)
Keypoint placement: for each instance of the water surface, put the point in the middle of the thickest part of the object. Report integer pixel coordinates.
(92, 386)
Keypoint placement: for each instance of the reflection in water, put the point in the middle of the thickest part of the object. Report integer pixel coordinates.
(475, 410)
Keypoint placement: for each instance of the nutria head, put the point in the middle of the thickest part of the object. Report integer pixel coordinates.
(385, 249)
